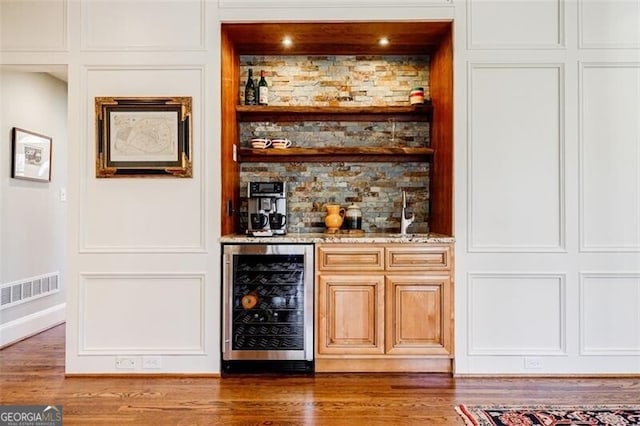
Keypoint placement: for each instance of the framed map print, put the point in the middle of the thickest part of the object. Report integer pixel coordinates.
(31, 156)
(143, 137)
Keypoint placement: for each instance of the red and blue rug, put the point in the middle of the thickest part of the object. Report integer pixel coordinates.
(549, 415)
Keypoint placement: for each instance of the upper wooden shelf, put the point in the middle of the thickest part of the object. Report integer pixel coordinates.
(330, 154)
(331, 113)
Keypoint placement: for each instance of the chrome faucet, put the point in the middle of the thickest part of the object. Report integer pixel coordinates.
(404, 220)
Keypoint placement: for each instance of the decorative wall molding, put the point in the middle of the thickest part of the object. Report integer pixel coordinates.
(87, 166)
(626, 229)
(610, 315)
(510, 21)
(42, 46)
(147, 282)
(621, 15)
(277, 4)
(139, 37)
(522, 304)
(475, 245)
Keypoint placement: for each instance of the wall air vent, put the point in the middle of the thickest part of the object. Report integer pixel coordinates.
(12, 294)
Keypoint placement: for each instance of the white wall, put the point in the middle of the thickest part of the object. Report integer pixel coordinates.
(547, 204)
(540, 87)
(33, 219)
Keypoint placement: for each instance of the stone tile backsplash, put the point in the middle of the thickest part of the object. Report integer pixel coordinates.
(345, 81)
(338, 80)
(375, 187)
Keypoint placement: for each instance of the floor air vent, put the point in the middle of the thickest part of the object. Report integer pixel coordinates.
(17, 292)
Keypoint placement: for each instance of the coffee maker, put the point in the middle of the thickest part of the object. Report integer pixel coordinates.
(267, 213)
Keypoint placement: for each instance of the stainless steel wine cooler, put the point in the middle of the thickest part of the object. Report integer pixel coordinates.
(267, 308)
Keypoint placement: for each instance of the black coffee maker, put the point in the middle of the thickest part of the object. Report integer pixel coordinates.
(267, 213)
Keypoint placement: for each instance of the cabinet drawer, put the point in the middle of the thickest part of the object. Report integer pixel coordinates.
(345, 258)
(403, 258)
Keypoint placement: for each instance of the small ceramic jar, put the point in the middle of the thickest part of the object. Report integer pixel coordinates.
(416, 96)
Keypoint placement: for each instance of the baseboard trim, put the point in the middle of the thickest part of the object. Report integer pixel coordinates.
(547, 376)
(144, 375)
(27, 326)
(383, 365)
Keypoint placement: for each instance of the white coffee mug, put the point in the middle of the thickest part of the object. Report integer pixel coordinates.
(260, 143)
(281, 143)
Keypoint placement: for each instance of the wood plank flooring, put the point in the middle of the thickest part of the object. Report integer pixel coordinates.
(32, 372)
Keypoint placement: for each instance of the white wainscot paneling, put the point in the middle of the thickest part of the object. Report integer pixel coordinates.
(516, 314)
(143, 214)
(610, 157)
(268, 4)
(609, 23)
(516, 150)
(499, 24)
(141, 313)
(18, 19)
(143, 25)
(609, 314)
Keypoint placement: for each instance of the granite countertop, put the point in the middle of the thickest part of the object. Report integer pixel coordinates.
(295, 237)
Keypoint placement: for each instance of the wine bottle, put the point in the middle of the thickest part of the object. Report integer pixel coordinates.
(250, 90)
(263, 90)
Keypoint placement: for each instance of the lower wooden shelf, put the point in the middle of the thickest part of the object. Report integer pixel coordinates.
(330, 154)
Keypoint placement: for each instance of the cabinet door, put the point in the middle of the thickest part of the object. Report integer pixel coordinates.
(350, 314)
(418, 310)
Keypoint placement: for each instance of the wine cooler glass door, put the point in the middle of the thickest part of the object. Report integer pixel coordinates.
(268, 302)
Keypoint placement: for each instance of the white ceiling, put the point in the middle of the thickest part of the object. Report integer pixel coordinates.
(57, 71)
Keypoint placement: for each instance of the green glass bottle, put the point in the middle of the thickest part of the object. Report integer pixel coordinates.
(250, 90)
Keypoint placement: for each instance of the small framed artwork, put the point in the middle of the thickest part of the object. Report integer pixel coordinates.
(31, 156)
(143, 137)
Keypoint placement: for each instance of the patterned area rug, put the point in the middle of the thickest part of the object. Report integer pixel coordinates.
(549, 415)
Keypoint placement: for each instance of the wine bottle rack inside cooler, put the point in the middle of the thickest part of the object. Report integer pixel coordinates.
(267, 306)
(275, 322)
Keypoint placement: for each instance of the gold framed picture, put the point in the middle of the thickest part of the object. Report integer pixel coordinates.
(143, 137)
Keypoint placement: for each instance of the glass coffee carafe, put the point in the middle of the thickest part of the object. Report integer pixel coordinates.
(353, 218)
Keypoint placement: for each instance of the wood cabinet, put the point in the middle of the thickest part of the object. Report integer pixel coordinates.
(351, 314)
(384, 307)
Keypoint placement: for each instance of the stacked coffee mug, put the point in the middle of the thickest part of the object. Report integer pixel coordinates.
(263, 143)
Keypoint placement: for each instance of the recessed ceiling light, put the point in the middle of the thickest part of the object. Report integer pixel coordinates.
(286, 42)
(383, 41)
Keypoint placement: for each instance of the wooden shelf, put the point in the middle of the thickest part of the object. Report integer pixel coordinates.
(248, 113)
(321, 155)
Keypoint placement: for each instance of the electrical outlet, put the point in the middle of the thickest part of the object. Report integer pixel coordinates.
(152, 362)
(533, 363)
(126, 363)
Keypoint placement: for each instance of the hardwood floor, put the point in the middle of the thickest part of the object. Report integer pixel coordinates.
(32, 372)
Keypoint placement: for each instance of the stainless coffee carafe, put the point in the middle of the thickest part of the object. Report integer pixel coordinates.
(267, 213)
